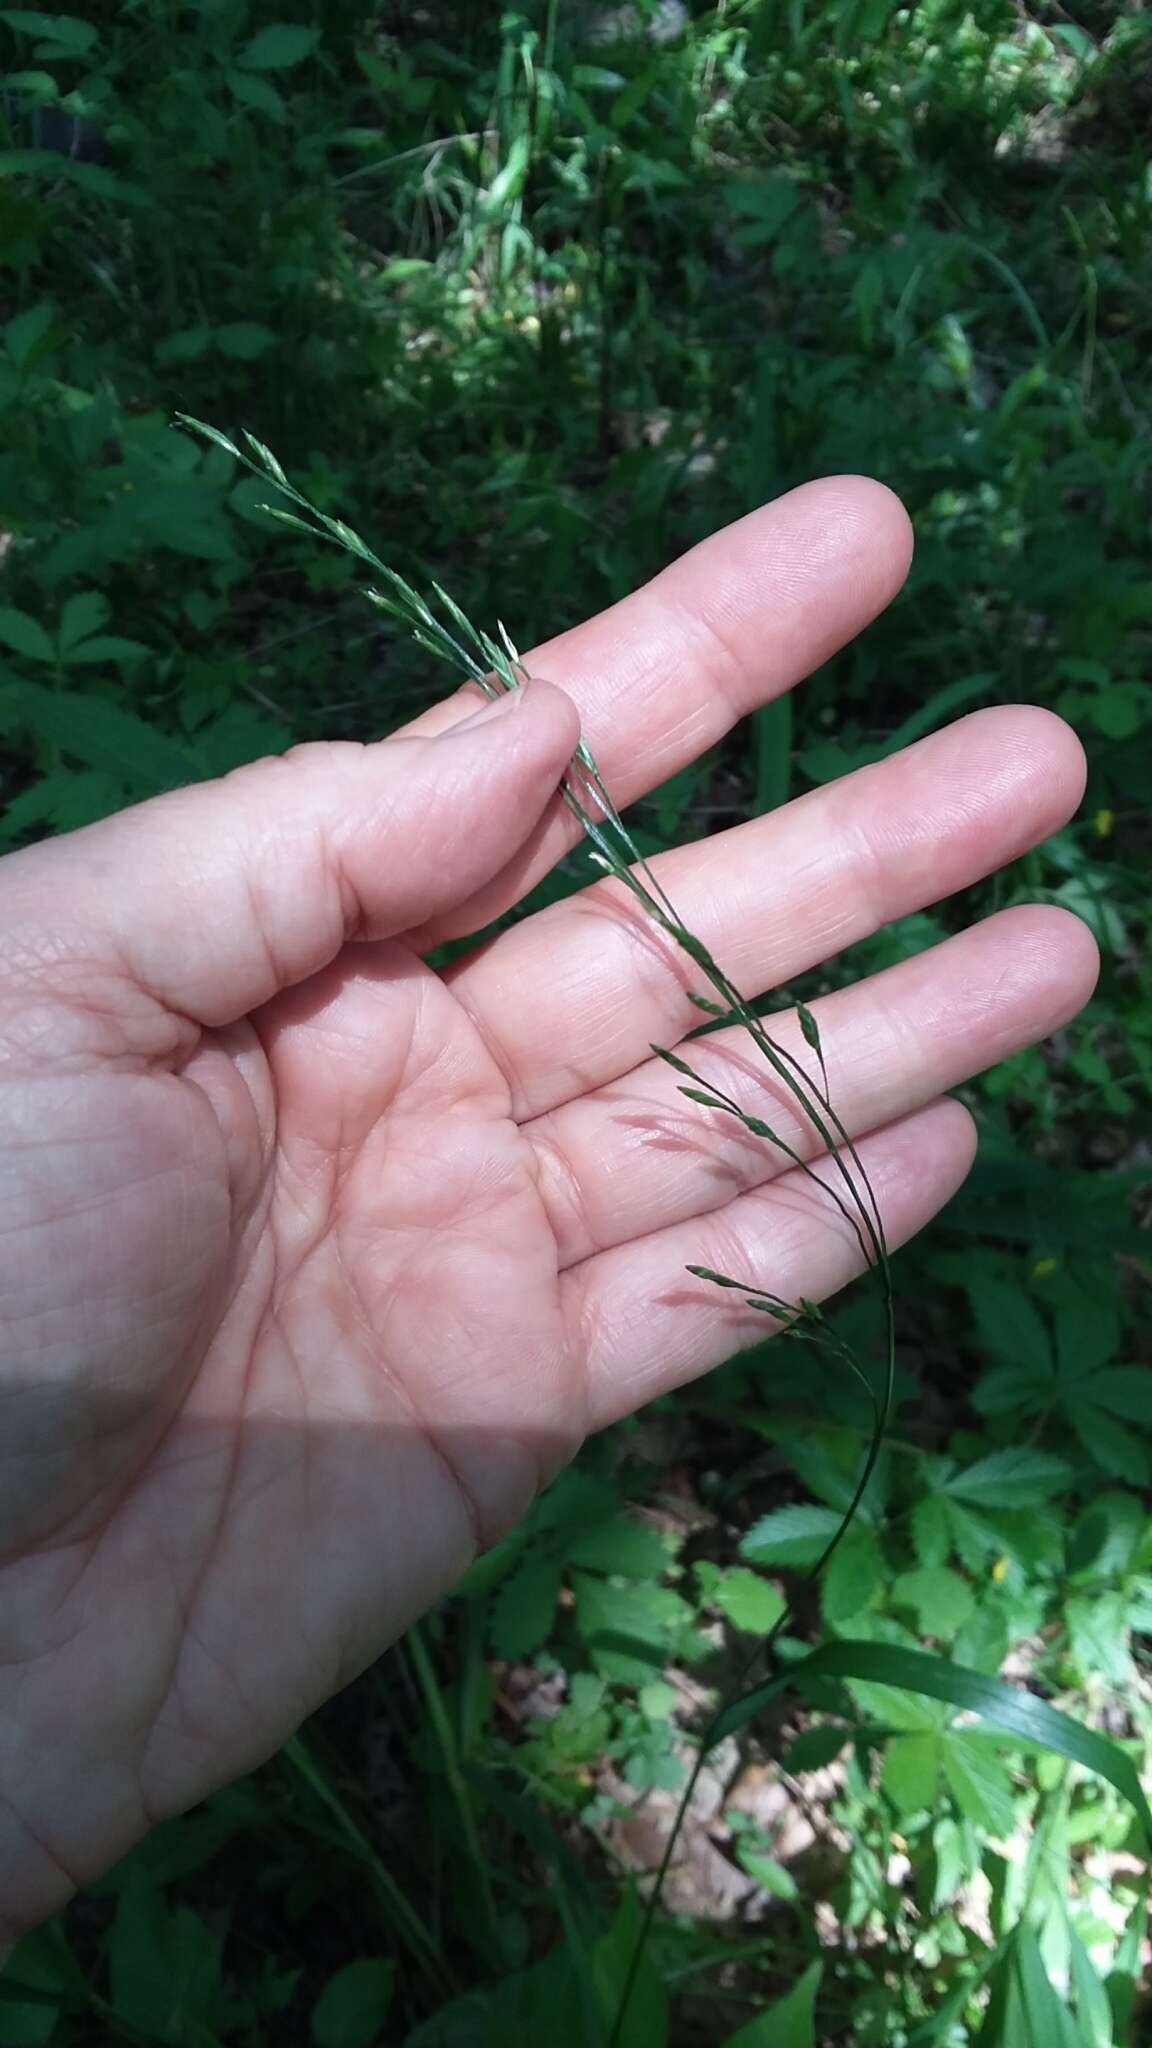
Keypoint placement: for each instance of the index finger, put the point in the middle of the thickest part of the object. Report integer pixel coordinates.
(663, 674)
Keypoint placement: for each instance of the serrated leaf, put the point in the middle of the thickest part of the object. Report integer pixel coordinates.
(258, 93)
(163, 1964)
(854, 1573)
(772, 1876)
(973, 1539)
(832, 1479)
(62, 35)
(82, 615)
(1009, 1479)
(630, 1631)
(814, 1749)
(353, 2005)
(103, 736)
(1126, 1390)
(792, 1536)
(1097, 1626)
(979, 1783)
(911, 1771)
(104, 647)
(631, 1549)
(244, 339)
(1087, 1327)
(25, 635)
(524, 1607)
(750, 1602)
(931, 1536)
(278, 47)
(1011, 1325)
(1115, 1449)
(940, 1599)
(24, 332)
(1106, 1534)
(65, 799)
(1013, 1386)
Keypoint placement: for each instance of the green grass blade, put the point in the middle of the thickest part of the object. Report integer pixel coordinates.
(1003, 1706)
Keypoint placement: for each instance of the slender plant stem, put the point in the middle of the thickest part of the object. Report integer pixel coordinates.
(494, 664)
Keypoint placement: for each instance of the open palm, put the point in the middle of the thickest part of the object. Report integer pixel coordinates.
(316, 1264)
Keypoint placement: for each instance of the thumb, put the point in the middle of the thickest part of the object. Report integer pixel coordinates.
(215, 897)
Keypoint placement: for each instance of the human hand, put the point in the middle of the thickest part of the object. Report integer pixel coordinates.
(315, 1265)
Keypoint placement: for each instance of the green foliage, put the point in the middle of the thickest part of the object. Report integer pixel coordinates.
(537, 301)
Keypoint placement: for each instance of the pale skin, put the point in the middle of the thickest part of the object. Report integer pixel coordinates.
(316, 1265)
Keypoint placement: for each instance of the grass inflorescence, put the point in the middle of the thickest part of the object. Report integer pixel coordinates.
(495, 665)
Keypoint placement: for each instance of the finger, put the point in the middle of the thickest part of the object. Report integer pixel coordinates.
(647, 1325)
(214, 898)
(637, 1156)
(660, 676)
(769, 899)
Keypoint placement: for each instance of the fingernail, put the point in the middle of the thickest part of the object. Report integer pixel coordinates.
(499, 707)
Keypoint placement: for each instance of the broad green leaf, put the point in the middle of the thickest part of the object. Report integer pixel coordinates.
(164, 1966)
(240, 734)
(105, 647)
(644, 2020)
(23, 334)
(91, 730)
(186, 346)
(1087, 1326)
(853, 1577)
(82, 615)
(1009, 1479)
(793, 1536)
(1003, 1706)
(895, 1707)
(258, 93)
(750, 1602)
(25, 635)
(245, 339)
(66, 798)
(911, 1771)
(1011, 1325)
(814, 1749)
(790, 2023)
(650, 1619)
(940, 1599)
(351, 2010)
(974, 1538)
(829, 1467)
(61, 35)
(1106, 1534)
(1111, 1444)
(772, 1876)
(525, 1606)
(978, 1782)
(625, 1546)
(278, 47)
(1126, 1390)
(1013, 1386)
(931, 1537)
(1097, 1625)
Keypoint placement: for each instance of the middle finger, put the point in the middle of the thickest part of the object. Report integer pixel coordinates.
(573, 997)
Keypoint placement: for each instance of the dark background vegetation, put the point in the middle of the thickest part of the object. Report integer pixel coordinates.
(537, 300)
